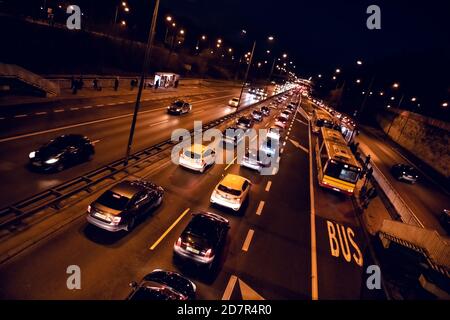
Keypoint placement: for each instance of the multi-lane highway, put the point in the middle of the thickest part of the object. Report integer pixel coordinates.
(291, 241)
(107, 124)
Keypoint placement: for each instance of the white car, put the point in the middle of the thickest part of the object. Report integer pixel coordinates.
(231, 192)
(256, 160)
(197, 157)
(234, 102)
(274, 133)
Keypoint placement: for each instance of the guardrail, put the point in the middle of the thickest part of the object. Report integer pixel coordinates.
(53, 196)
(401, 208)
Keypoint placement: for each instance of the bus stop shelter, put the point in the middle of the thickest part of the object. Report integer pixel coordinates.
(166, 80)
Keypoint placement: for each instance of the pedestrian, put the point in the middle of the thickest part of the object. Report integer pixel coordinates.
(95, 84)
(75, 86)
(116, 83)
(132, 84)
(72, 82)
(80, 83)
(176, 83)
(156, 84)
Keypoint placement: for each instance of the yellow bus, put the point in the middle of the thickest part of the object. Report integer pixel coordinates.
(336, 166)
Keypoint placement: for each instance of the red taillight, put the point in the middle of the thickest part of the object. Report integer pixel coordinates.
(208, 253)
(178, 243)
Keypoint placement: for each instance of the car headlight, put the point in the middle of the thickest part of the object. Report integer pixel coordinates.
(32, 154)
(52, 160)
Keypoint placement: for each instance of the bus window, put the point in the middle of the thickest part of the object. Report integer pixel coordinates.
(337, 170)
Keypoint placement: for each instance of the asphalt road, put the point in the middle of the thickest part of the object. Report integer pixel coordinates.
(269, 248)
(425, 198)
(108, 126)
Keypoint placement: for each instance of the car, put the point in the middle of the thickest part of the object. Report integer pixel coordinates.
(405, 172)
(163, 285)
(244, 123)
(231, 192)
(291, 107)
(119, 207)
(179, 107)
(62, 152)
(265, 111)
(286, 113)
(274, 132)
(203, 239)
(257, 115)
(233, 135)
(270, 146)
(234, 102)
(197, 157)
(281, 122)
(444, 219)
(256, 160)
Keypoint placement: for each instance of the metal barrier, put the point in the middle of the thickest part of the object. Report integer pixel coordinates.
(53, 196)
(394, 198)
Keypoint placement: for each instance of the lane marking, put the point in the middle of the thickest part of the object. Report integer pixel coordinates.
(282, 150)
(314, 279)
(20, 116)
(74, 108)
(40, 113)
(230, 287)
(96, 141)
(100, 105)
(231, 163)
(260, 208)
(248, 239)
(268, 185)
(169, 229)
(158, 123)
(87, 107)
(87, 123)
(111, 104)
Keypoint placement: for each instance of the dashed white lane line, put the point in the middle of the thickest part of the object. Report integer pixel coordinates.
(100, 105)
(158, 123)
(268, 185)
(58, 110)
(284, 143)
(2, 118)
(74, 108)
(130, 101)
(87, 107)
(96, 141)
(260, 208)
(248, 240)
(40, 113)
(282, 150)
(20, 116)
(229, 289)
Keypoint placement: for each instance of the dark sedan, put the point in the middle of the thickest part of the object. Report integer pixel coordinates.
(163, 285)
(405, 172)
(257, 115)
(62, 152)
(203, 239)
(179, 107)
(121, 206)
(265, 111)
(244, 123)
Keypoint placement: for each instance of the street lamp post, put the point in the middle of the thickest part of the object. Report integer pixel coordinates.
(246, 74)
(148, 53)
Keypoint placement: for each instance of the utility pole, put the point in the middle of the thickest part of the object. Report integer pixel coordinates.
(148, 53)
(363, 104)
(246, 74)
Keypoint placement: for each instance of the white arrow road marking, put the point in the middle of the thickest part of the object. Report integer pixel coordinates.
(298, 145)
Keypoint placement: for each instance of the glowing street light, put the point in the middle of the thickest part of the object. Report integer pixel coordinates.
(381, 93)
(219, 40)
(270, 38)
(320, 76)
(203, 37)
(413, 99)
(124, 4)
(123, 23)
(396, 85)
(230, 50)
(168, 18)
(338, 70)
(181, 31)
(358, 80)
(174, 24)
(392, 98)
(127, 9)
(359, 62)
(285, 55)
(444, 104)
